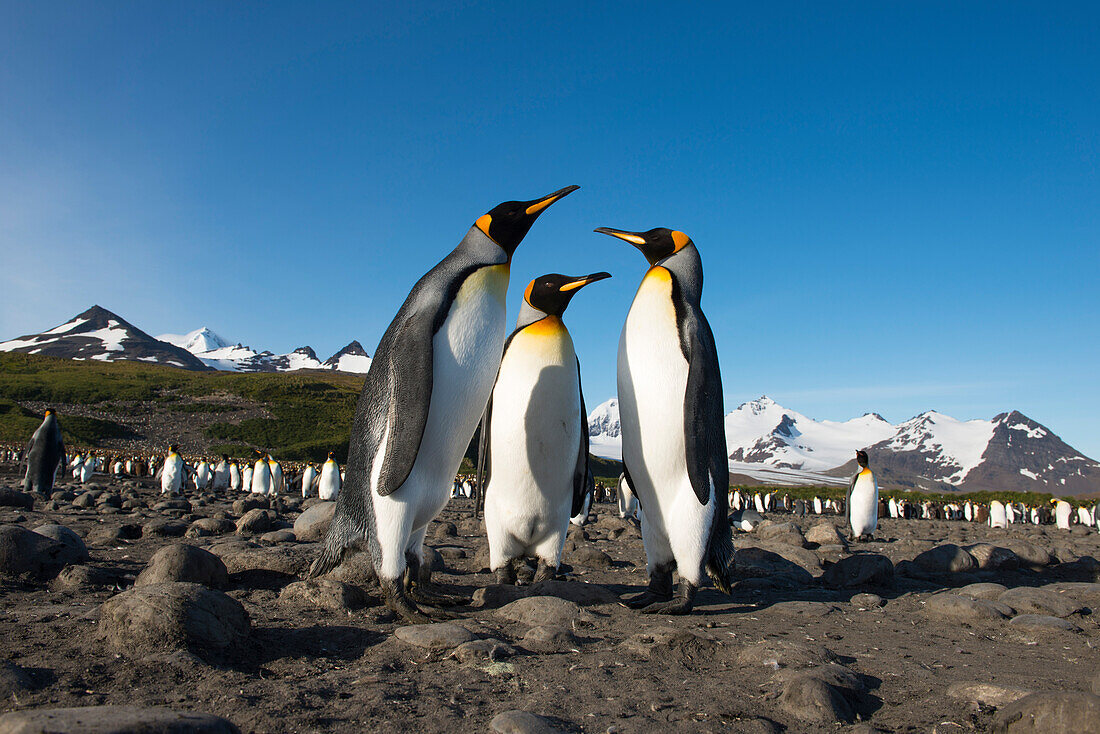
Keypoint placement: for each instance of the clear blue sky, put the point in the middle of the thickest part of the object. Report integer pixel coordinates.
(897, 204)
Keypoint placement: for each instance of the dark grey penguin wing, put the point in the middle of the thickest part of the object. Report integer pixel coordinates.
(848, 497)
(484, 463)
(704, 426)
(397, 391)
(583, 482)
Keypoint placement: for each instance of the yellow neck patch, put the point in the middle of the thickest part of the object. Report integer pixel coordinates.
(548, 326)
(658, 274)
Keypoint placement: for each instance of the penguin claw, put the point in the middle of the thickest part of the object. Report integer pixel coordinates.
(431, 597)
(647, 599)
(676, 606)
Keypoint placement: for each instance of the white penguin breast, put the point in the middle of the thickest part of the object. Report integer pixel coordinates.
(465, 359)
(652, 377)
(536, 426)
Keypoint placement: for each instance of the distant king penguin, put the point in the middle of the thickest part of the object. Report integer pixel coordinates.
(329, 484)
(674, 438)
(423, 395)
(45, 451)
(862, 501)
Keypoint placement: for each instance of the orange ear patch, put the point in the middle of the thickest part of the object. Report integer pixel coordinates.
(679, 239)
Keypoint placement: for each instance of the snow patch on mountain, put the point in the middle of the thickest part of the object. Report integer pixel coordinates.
(958, 445)
(197, 342)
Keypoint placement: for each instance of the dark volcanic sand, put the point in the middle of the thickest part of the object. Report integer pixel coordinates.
(307, 669)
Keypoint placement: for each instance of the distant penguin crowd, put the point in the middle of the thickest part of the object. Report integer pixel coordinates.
(447, 364)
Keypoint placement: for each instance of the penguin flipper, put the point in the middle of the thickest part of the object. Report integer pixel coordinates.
(484, 462)
(704, 424)
(583, 482)
(410, 357)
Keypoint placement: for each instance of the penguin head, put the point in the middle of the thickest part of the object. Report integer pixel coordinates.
(331, 456)
(656, 244)
(551, 293)
(49, 412)
(861, 457)
(173, 448)
(508, 223)
(225, 457)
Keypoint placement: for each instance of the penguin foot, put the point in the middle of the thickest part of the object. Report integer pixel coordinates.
(647, 599)
(683, 602)
(393, 594)
(659, 591)
(545, 572)
(506, 575)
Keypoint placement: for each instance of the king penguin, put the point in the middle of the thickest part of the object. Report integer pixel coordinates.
(45, 451)
(628, 503)
(535, 434)
(862, 501)
(328, 487)
(171, 474)
(308, 478)
(674, 438)
(261, 475)
(422, 398)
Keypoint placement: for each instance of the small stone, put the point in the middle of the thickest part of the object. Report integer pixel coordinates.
(825, 694)
(208, 526)
(77, 551)
(1027, 600)
(1065, 712)
(590, 557)
(964, 609)
(255, 522)
(755, 562)
(15, 498)
(986, 694)
(947, 558)
(314, 523)
(113, 720)
(164, 528)
(450, 552)
(825, 533)
(548, 638)
(245, 504)
(438, 636)
(445, 530)
(274, 537)
(1043, 621)
(520, 722)
(538, 610)
(173, 616)
(324, 594)
(173, 504)
(986, 591)
(867, 601)
(27, 554)
(181, 562)
(76, 578)
(779, 653)
(483, 651)
(862, 569)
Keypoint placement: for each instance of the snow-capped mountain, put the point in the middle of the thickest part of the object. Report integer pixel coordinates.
(217, 352)
(604, 436)
(762, 431)
(101, 335)
(352, 358)
(772, 444)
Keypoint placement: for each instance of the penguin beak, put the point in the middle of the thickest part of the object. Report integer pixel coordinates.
(582, 282)
(632, 237)
(537, 206)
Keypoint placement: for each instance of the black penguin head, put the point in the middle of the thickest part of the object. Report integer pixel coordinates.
(509, 223)
(331, 455)
(552, 293)
(656, 244)
(173, 448)
(225, 457)
(861, 457)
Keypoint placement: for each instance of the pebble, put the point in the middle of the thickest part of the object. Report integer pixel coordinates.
(314, 523)
(173, 616)
(862, 569)
(255, 521)
(986, 694)
(548, 638)
(541, 610)
(1048, 712)
(324, 594)
(181, 562)
(867, 601)
(987, 591)
(437, 636)
(520, 722)
(113, 720)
